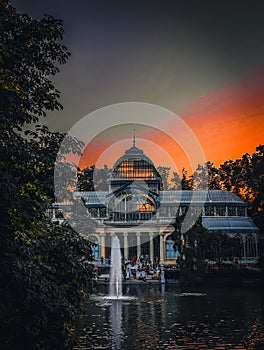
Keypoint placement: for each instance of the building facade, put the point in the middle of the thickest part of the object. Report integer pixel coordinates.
(141, 213)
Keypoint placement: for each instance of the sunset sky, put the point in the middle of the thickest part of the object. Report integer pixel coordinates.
(202, 60)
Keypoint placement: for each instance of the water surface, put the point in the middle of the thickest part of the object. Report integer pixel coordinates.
(173, 317)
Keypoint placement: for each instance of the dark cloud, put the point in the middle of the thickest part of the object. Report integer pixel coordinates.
(163, 52)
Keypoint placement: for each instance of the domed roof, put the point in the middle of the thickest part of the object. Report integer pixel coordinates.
(134, 150)
(133, 153)
(134, 165)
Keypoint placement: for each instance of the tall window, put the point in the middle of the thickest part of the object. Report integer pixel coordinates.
(170, 252)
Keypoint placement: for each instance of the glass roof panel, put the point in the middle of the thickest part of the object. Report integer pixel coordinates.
(229, 223)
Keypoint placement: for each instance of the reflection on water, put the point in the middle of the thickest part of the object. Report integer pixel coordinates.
(170, 317)
(116, 324)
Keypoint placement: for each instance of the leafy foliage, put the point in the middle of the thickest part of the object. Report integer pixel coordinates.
(30, 53)
(198, 245)
(85, 179)
(93, 179)
(43, 283)
(44, 269)
(164, 173)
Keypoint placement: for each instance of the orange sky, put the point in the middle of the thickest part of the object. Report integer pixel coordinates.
(227, 122)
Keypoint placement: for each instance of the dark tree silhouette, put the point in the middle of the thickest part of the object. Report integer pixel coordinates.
(44, 269)
(197, 245)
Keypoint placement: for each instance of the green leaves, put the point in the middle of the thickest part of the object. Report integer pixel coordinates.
(30, 53)
(198, 244)
(45, 270)
(42, 289)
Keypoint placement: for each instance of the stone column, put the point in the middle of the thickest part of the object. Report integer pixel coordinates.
(161, 247)
(126, 253)
(102, 245)
(138, 245)
(151, 246)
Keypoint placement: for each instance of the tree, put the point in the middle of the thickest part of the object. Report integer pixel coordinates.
(258, 181)
(223, 247)
(100, 178)
(213, 177)
(44, 269)
(176, 180)
(164, 173)
(236, 176)
(192, 244)
(200, 178)
(197, 245)
(186, 184)
(85, 179)
(244, 177)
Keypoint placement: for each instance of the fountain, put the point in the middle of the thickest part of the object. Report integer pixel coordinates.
(115, 290)
(115, 287)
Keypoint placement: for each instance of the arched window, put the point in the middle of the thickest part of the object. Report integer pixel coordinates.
(170, 252)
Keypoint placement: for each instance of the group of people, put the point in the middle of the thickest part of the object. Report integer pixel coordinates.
(141, 269)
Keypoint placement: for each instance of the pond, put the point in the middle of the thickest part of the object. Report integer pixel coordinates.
(173, 317)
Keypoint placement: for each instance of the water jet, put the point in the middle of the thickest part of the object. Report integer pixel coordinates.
(115, 290)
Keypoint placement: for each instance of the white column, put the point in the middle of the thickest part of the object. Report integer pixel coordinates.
(151, 246)
(161, 247)
(126, 253)
(138, 245)
(102, 245)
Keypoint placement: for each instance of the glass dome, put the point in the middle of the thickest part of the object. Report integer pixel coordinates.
(135, 185)
(135, 165)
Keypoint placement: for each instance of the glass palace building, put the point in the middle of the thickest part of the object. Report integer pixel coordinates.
(141, 213)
